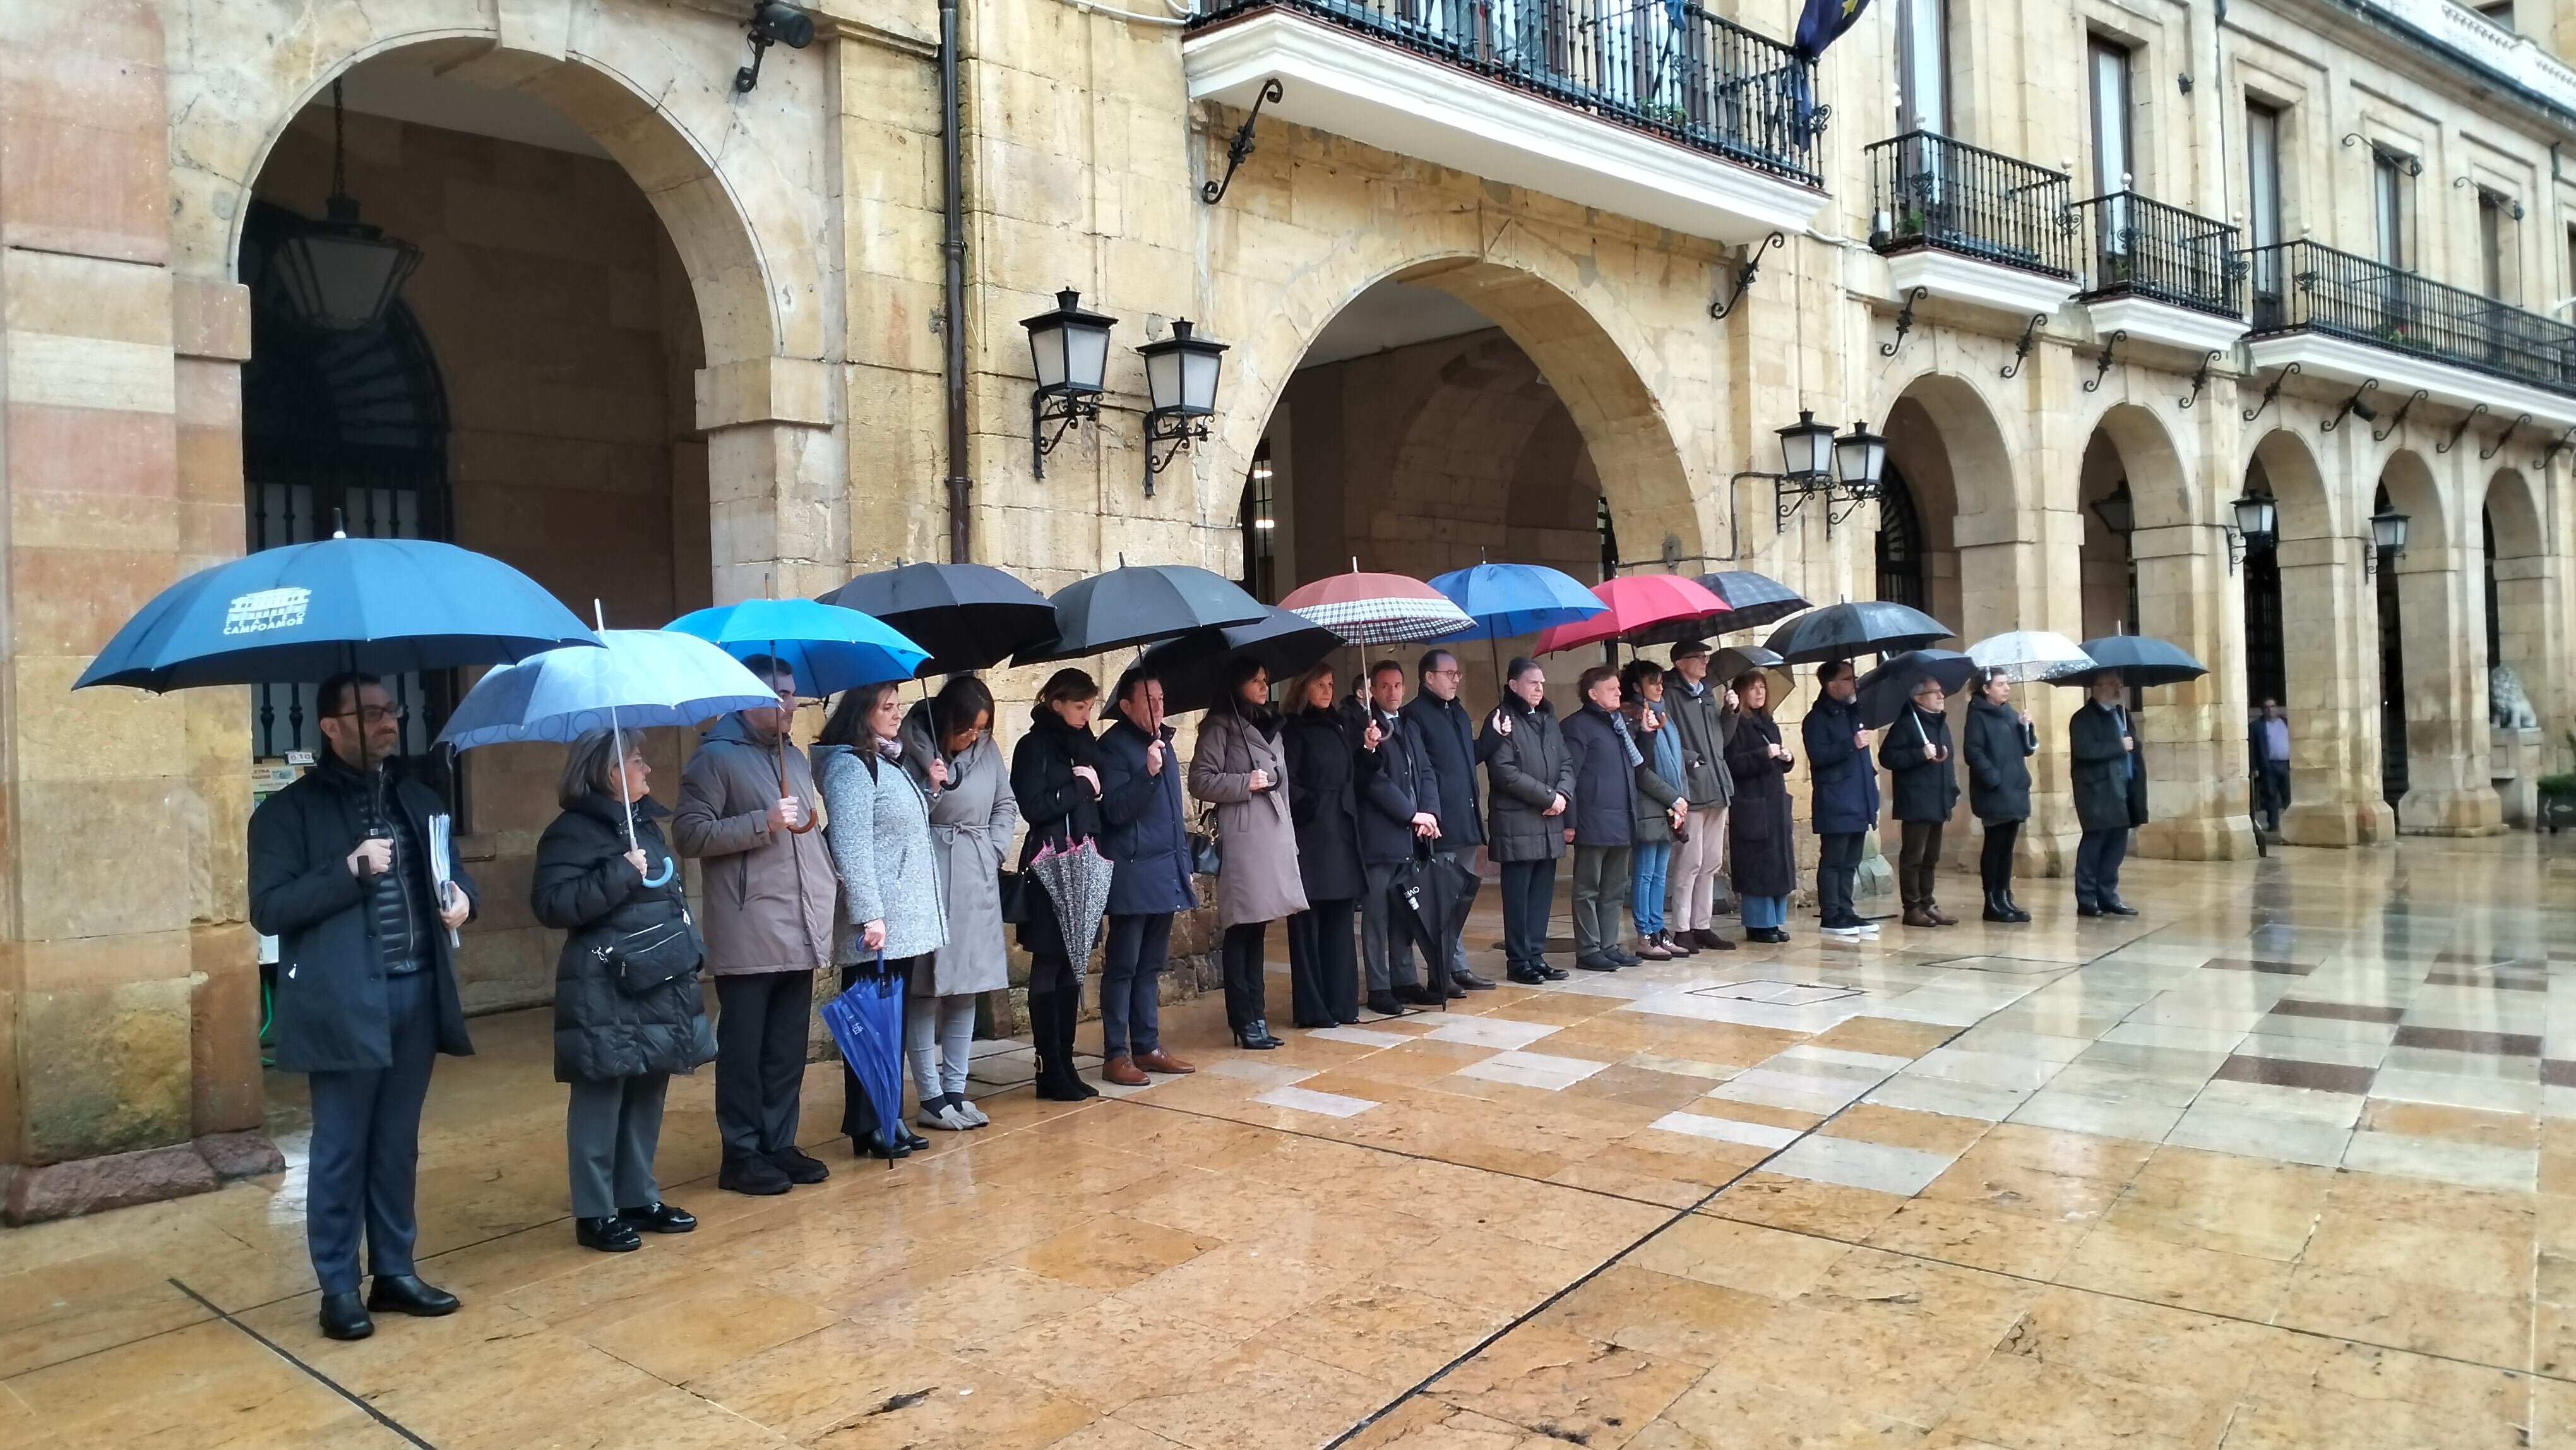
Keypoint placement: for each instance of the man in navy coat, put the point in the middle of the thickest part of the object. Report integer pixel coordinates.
(1846, 797)
(1148, 839)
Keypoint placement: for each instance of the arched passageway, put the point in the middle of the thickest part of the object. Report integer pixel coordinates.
(2433, 652)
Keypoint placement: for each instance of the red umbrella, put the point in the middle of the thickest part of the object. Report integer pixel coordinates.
(1637, 602)
(1379, 608)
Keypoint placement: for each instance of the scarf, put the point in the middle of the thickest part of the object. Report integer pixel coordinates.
(1627, 741)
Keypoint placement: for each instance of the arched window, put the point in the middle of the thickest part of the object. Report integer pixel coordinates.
(2266, 668)
(2392, 678)
(1260, 529)
(1900, 544)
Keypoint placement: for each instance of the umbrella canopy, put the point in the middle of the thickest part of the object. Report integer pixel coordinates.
(1857, 627)
(1076, 879)
(309, 611)
(969, 616)
(1368, 608)
(1727, 665)
(644, 677)
(2029, 654)
(867, 1025)
(2141, 660)
(1505, 600)
(1192, 667)
(1139, 604)
(1637, 603)
(1884, 691)
(1752, 601)
(830, 648)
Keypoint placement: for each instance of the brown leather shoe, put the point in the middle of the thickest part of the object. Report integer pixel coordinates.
(1123, 1072)
(1939, 917)
(1917, 916)
(1160, 1061)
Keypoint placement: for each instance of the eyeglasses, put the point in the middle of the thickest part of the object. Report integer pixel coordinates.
(376, 714)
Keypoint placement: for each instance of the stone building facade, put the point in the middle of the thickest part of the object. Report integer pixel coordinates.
(1507, 278)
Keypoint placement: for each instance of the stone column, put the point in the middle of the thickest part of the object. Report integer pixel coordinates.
(2441, 609)
(777, 479)
(2333, 703)
(2194, 733)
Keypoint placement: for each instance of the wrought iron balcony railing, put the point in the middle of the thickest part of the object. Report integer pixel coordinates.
(1663, 66)
(2143, 248)
(1927, 190)
(2301, 285)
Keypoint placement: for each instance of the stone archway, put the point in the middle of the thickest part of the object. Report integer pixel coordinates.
(2330, 679)
(2438, 659)
(2521, 583)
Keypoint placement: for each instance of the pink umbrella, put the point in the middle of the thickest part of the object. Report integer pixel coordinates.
(1368, 608)
(1637, 602)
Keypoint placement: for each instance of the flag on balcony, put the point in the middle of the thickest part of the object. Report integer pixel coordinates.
(1823, 22)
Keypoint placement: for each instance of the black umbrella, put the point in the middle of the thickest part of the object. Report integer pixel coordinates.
(1884, 691)
(1753, 600)
(1139, 604)
(969, 616)
(1857, 627)
(1192, 667)
(2139, 660)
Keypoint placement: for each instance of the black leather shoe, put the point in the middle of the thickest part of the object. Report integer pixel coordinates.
(2086, 908)
(1255, 1037)
(1470, 981)
(1422, 996)
(343, 1317)
(2114, 906)
(879, 1144)
(660, 1218)
(1624, 957)
(799, 1167)
(1995, 909)
(1528, 976)
(913, 1142)
(756, 1176)
(1384, 1004)
(406, 1294)
(610, 1235)
(1553, 974)
(1594, 962)
(1452, 991)
(2015, 907)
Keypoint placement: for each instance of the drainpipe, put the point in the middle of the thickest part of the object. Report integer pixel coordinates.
(952, 161)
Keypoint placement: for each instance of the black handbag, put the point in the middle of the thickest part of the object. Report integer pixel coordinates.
(1015, 898)
(1206, 857)
(649, 958)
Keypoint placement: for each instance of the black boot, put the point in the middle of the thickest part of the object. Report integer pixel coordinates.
(1053, 1067)
(2015, 907)
(1068, 1015)
(1995, 908)
(344, 1317)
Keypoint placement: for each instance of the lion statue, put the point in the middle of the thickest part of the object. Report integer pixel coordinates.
(2507, 706)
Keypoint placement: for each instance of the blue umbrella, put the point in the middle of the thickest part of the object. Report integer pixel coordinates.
(830, 648)
(1515, 599)
(309, 611)
(867, 1025)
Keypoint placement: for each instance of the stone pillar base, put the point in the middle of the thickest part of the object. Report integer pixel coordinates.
(121, 1180)
(2474, 811)
(2231, 839)
(2338, 823)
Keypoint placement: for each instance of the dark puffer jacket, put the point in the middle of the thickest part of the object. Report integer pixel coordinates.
(1846, 780)
(2110, 782)
(1761, 845)
(584, 886)
(1926, 790)
(1528, 769)
(1610, 791)
(1148, 828)
(1998, 749)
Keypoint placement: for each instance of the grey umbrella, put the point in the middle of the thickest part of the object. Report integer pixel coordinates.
(1855, 627)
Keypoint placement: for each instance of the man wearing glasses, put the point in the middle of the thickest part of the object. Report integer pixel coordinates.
(341, 874)
(1448, 740)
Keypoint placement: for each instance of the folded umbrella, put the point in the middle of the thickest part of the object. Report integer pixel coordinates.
(1883, 692)
(867, 1025)
(1637, 604)
(1752, 601)
(1450, 886)
(2140, 660)
(1192, 666)
(1076, 879)
(1415, 904)
(1139, 604)
(969, 616)
(1854, 627)
(830, 648)
(2029, 654)
(1367, 608)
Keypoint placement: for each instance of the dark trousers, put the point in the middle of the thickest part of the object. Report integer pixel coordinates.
(366, 1146)
(1386, 943)
(2273, 790)
(760, 1059)
(611, 1128)
(1455, 943)
(1323, 965)
(1837, 866)
(1529, 895)
(859, 1117)
(2097, 866)
(1245, 1001)
(1600, 891)
(1995, 861)
(1130, 970)
(1920, 859)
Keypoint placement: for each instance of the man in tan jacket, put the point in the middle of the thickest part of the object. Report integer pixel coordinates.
(770, 894)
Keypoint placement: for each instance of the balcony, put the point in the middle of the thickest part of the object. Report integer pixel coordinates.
(2348, 318)
(1971, 225)
(2470, 39)
(1659, 111)
(2161, 274)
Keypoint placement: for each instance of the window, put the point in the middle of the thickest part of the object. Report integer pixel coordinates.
(1900, 544)
(2388, 205)
(2263, 208)
(1260, 529)
(1609, 537)
(2499, 263)
(1923, 66)
(2114, 165)
(2498, 13)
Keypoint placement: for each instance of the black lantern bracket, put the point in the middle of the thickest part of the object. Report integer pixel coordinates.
(2503, 438)
(2380, 435)
(2447, 444)
(2353, 407)
(2199, 381)
(1237, 149)
(1904, 321)
(1171, 432)
(1745, 274)
(2271, 392)
(2102, 364)
(772, 23)
(1066, 411)
(2021, 349)
(2556, 446)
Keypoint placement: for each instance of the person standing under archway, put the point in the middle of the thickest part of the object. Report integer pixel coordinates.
(1998, 748)
(2110, 794)
(1532, 778)
(1846, 798)
(1916, 750)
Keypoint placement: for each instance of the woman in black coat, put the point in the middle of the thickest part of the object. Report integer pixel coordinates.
(1998, 745)
(1916, 750)
(1323, 801)
(1761, 843)
(1055, 778)
(625, 1020)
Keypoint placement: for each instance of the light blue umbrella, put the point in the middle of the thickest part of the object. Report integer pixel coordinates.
(830, 648)
(1515, 599)
(644, 677)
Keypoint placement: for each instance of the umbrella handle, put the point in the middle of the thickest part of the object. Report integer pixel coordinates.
(670, 865)
(811, 821)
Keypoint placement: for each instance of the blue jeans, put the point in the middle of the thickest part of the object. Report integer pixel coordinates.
(1761, 912)
(2097, 866)
(1646, 885)
(366, 1145)
(1130, 970)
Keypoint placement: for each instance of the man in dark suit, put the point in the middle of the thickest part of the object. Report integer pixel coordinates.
(1440, 725)
(2110, 794)
(341, 874)
(1399, 806)
(1845, 805)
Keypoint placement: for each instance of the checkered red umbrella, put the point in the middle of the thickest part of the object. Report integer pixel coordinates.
(1367, 608)
(1638, 602)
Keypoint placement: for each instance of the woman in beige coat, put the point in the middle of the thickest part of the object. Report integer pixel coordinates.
(1241, 768)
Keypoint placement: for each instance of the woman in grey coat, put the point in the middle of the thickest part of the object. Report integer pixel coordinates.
(1241, 768)
(971, 820)
(891, 909)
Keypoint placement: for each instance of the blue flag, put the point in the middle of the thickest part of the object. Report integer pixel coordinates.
(1823, 22)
